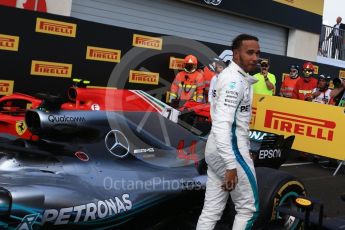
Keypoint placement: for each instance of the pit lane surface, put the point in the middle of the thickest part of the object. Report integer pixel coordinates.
(319, 181)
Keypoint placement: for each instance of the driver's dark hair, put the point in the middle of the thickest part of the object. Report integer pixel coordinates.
(237, 42)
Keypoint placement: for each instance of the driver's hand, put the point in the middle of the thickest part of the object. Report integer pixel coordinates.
(230, 180)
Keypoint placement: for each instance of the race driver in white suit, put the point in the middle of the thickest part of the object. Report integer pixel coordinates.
(230, 167)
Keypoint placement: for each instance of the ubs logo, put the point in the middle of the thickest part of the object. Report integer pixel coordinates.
(213, 2)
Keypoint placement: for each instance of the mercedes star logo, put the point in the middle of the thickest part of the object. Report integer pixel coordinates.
(116, 143)
(213, 2)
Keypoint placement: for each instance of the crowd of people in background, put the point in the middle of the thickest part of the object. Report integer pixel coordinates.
(198, 84)
(307, 87)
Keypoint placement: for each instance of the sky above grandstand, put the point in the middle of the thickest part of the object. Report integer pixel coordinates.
(331, 10)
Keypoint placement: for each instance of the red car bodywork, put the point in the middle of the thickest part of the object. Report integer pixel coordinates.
(201, 109)
(12, 111)
(13, 107)
(108, 100)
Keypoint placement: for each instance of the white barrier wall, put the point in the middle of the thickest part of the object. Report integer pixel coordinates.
(303, 45)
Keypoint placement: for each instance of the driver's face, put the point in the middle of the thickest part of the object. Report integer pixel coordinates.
(247, 55)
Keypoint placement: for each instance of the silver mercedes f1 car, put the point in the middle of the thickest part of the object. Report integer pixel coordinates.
(123, 168)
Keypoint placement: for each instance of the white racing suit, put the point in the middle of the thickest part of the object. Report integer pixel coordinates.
(212, 89)
(228, 148)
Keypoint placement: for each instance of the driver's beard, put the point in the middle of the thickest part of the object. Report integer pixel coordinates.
(242, 64)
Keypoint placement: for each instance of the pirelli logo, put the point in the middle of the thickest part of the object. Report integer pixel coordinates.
(8, 42)
(176, 63)
(142, 77)
(147, 42)
(102, 54)
(342, 74)
(56, 27)
(300, 125)
(6, 87)
(52, 69)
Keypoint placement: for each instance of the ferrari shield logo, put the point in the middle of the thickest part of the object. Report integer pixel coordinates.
(20, 127)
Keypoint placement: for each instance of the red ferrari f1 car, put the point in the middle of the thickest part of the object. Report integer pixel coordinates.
(14, 106)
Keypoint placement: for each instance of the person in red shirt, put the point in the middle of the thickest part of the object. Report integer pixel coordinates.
(208, 75)
(289, 82)
(305, 85)
(210, 71)
(189, 83)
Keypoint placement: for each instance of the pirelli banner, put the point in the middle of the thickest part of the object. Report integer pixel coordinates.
(318, 128)
(300, 14)
(41, 53)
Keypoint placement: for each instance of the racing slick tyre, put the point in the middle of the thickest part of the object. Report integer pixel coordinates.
(277, 188)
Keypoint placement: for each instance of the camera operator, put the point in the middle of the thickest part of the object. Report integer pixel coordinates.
(321, 94)
(338, 93)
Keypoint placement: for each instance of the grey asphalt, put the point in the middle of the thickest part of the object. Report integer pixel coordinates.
(319, 181)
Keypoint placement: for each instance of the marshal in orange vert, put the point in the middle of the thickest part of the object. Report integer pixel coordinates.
(176, 63)
(103, 54)
(147, 42)
(142, 77)
(8, 42)
(300, 125)
(52, 69)
(56, 27)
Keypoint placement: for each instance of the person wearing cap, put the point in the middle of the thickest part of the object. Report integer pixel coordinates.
(322, 94)
(219, 65)
(208, 75)
(289, 82)
(306, 84)
(189, 83)
(266, 80)
(209, 72)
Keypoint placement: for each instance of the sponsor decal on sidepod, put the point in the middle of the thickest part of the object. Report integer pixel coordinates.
(88, 212)
(64, 118)
(269, 153)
